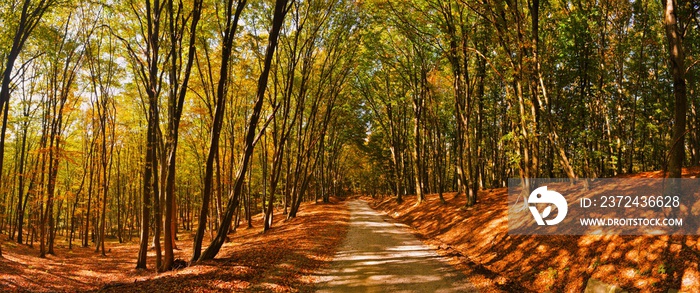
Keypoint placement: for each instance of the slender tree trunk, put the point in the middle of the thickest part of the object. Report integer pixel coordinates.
(89, 203)
(177, 97)
(280, 11)
(248, 212)
(146, 203)
(416, 150)
(151, 80)
(105, 171)
(20, 187)
(229, 34)
(120, 226)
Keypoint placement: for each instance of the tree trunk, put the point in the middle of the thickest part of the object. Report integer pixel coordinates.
(229, 34)
(415, 151)
(176, 103)
(120, 226)
(677, 58)
(281, 9)
(20, 187)
(89, 203)
(151, 83)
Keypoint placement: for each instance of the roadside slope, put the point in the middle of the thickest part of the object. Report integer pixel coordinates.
(477, 238)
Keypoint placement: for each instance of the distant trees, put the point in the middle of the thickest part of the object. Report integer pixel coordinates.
(62, 72)
(22, 26)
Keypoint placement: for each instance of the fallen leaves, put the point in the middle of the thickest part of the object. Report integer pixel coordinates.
(282, 260)
(478, 242)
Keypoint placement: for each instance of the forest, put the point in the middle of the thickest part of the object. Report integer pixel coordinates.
(163, 123)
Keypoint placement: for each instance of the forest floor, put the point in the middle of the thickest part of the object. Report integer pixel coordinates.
(476, 240)
(381, 255)
(283, 260)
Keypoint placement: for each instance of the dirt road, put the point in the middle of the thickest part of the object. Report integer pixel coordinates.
(379, 255)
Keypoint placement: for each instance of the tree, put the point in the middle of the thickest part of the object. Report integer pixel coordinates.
(677, 61)
(28, 112)
(31, 15)
(280, 11)
(325, 64)
(232, 17)
(175, 104)
(147, 63)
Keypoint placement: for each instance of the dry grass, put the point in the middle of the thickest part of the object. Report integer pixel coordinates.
(282, 260)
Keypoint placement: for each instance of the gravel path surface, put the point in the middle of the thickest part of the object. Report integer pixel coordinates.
(380, 255)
